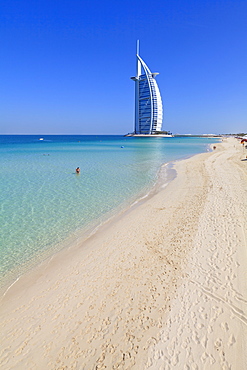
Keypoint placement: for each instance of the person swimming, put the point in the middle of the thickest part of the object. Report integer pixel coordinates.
(78, 170)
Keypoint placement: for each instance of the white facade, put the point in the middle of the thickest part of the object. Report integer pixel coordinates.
(148, 103)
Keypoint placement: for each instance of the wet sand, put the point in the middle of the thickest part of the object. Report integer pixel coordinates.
(163, 287)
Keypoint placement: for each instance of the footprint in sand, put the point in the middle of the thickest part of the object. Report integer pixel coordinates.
(175, 360)
(195, 337)
(218, 344)
(210, 329)
(204, 357)
(224, 326)
(231, 340)
(204, 341)
(204, 316)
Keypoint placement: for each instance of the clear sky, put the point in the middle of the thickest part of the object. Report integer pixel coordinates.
(65, 65)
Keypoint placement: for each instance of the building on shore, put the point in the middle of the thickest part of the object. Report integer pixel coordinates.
(148, 103)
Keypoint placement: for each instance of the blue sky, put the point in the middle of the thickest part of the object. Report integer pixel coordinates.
(65, 66)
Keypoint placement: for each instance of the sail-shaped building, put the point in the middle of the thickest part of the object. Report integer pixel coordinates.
(148, 103)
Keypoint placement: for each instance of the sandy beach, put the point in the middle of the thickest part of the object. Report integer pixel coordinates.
(164, 286)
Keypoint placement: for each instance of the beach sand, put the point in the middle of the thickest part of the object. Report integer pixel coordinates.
(164, 286)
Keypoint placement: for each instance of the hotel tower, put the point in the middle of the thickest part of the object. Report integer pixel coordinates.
(148, 103)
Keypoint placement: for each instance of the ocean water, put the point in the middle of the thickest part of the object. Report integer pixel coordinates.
(43, 202)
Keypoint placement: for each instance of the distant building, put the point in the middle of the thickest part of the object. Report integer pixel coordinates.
(148, 103)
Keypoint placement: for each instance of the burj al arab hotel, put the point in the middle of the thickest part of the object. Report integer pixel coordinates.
(148, 103)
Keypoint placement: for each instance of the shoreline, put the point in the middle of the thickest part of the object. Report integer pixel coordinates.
(8, 278)
(79, 236)
(72, 242)
(126, 298)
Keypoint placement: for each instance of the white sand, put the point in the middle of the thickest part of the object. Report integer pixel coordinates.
(163, 287)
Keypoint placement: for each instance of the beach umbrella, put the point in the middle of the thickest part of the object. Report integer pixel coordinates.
(243, 141)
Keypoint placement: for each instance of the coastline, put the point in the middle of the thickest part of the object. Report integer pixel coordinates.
(120, 300)
(165, 174)
(79, 237)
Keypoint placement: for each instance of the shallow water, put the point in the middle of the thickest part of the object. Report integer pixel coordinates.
(43, 201)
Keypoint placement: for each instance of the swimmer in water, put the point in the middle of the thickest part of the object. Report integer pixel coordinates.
(78, 170)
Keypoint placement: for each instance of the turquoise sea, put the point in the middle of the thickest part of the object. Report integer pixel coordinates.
(43, 202)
